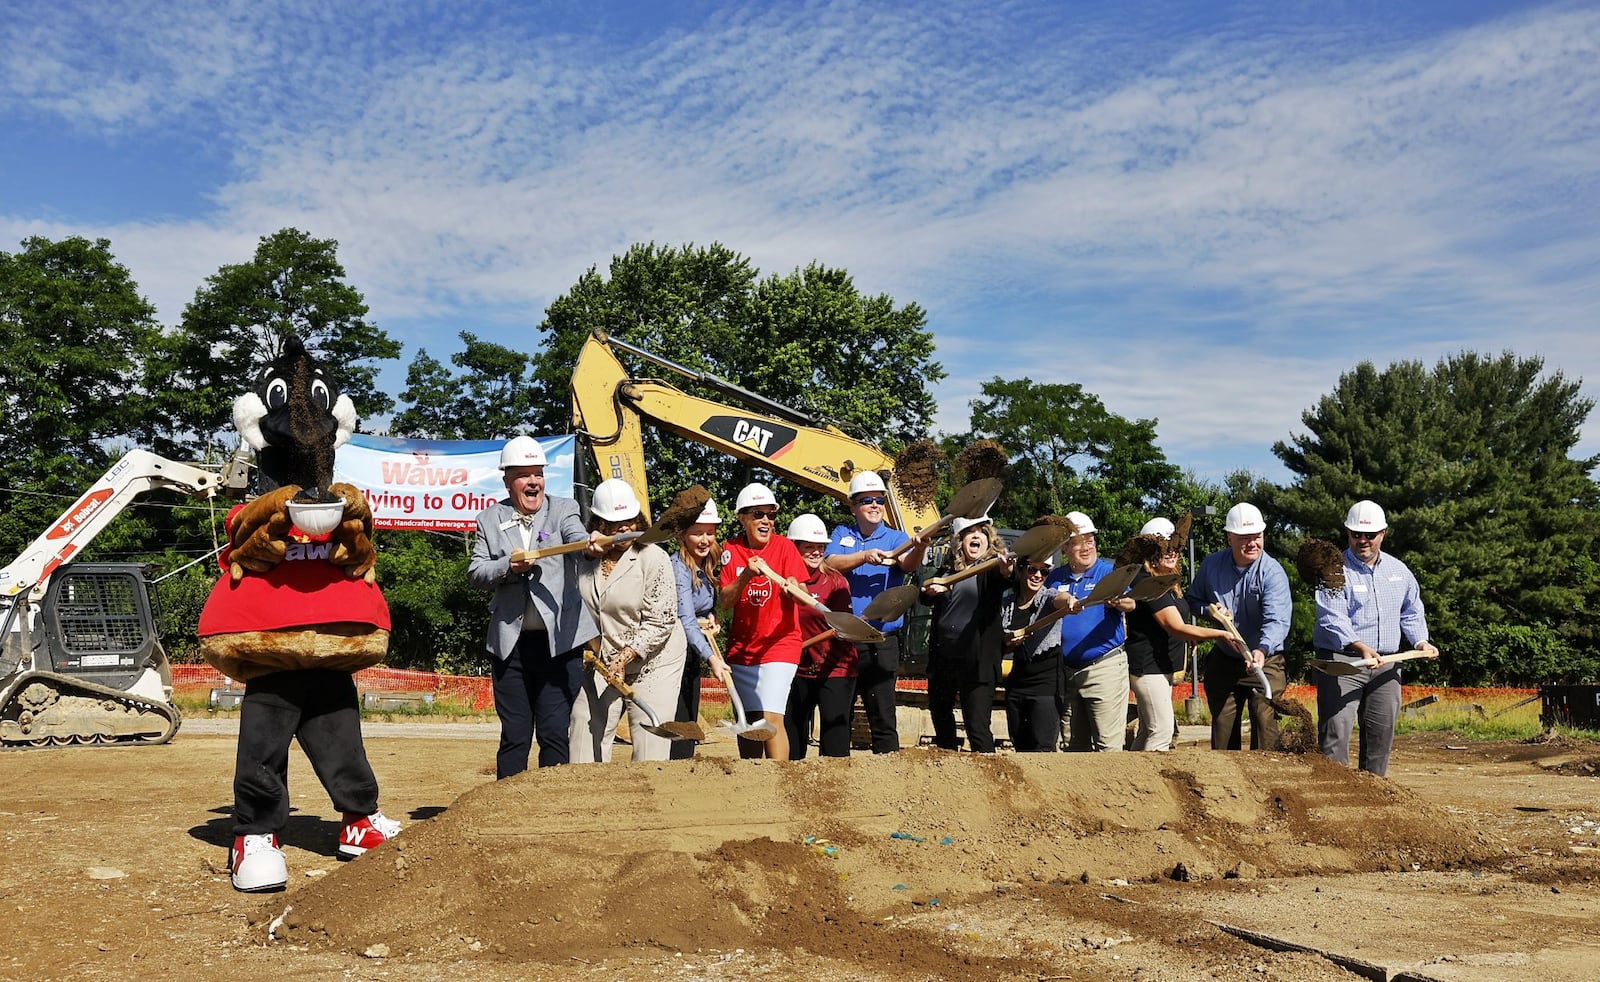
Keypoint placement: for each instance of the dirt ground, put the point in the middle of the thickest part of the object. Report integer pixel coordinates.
(1473, 862)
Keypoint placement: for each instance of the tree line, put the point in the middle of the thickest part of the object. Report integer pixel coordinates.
(1472, 457)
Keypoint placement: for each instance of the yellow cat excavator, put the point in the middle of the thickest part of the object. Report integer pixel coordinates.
(610, 408)
(80, 661)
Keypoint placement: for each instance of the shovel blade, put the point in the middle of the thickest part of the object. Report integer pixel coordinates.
(1330, 667)
(760, 730)
(891, 603)
(975, 499)
(852, 628)
(678, 731)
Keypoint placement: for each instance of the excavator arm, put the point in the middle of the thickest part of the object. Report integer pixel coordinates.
(138, 472)
(610, 408)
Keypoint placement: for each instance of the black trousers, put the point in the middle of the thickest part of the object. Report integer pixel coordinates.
(1034, 703)
(319, 708)
(945, 688)
(879, 665)
(831, 699)
(688, 706)
(533, 693)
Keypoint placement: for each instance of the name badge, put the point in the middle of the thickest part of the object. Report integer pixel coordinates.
(848, 540)
(1358, 588)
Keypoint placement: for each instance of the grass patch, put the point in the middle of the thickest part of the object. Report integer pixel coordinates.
(440, 710)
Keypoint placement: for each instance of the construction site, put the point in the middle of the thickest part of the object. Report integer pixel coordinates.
(1473, 861)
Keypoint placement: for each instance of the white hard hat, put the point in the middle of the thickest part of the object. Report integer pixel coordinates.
(522, 451)
(866, 481)
(960, 525)
(614, 501)
(1158, 526)
(1365, 516)
(754, 495)
(708, 514)
(808, 528)
(1244, 519)
(1081, 522)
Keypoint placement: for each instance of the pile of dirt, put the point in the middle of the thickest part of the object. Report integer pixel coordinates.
(821, 855)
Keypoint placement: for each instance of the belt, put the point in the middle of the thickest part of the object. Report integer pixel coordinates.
(1118, 650)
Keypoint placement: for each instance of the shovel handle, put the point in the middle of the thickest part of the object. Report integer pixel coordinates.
(923, 537)
(818, 639)
(789, 586)
(604, 671)
(982, 567)
(566, 547)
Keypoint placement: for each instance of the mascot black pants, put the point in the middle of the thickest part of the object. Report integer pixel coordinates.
(320, 709)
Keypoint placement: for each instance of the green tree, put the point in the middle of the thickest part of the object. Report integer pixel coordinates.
(1069, 453)
(490, 398)
(239, 320)
(809, 339)
(73, 333)
(1472, 461)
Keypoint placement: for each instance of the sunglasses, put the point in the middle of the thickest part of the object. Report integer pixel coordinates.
(1365, 536)
(761, 515)
(872, 499)
(1040, 570)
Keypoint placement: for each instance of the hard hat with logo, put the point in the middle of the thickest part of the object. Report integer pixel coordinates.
(961, 525)
(1365, 516)
(865, 482)
(1081, 522)
(521, 451)
(808, 528)
(1244, 519)
(614, 501)
(1158, 526)
(708, 514)
(754, 496)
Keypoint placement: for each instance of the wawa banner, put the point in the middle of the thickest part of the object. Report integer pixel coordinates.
(439, 485)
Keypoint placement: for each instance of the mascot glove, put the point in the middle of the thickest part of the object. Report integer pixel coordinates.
(260, 533)
(353, 548)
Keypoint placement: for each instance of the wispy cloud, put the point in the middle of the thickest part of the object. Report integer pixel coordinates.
(1267, 202)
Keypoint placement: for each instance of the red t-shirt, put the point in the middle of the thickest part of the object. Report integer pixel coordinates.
(765, 625)
(302, 590)
(835, 657)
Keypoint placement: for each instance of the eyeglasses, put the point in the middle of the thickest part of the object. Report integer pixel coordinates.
(1364, 536)
(872, 499)
(761, 515)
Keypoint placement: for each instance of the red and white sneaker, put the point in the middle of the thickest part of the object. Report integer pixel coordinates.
(257, 864)
(362, 832)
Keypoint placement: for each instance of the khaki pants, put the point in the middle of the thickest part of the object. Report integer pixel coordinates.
(1153, 693)
(1095, 712)
(595, 714)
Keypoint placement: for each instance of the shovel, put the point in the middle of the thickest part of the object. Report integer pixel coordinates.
(849, 626)
(1224, 616)
(760, 730)
(1033, 545)
(670, 730)
(655, 533)
(1109, 588)
(1333, 667)
(972, 501)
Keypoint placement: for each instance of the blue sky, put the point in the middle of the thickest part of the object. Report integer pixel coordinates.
(1203, 213)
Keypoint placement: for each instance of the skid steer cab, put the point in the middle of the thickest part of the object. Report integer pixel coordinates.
(83, 663)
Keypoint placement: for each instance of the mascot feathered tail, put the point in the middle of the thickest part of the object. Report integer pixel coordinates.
(293, 615)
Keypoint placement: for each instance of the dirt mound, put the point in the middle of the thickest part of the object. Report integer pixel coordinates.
(822, 856)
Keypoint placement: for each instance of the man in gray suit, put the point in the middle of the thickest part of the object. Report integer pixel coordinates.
(537, 620)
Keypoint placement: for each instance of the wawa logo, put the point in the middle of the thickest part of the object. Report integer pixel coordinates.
(420, 471)
(302, 551)
(80, 513)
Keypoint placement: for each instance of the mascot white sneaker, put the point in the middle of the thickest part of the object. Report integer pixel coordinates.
(294, 614)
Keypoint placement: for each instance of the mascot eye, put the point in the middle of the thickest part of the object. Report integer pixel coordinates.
(277, 393)
(320, 395)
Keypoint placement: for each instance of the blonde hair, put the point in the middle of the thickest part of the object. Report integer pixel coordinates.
(958, 555)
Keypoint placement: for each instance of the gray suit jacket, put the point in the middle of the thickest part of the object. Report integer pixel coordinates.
(553, 582)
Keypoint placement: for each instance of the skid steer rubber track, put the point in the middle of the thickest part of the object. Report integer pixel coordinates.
(47, 709)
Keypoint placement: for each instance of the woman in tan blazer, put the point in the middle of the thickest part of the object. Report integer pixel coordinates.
(633, 598)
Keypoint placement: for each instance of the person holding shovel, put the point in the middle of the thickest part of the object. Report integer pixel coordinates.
(1033, 687)
(633, 598)
(1095, 663)
(825, 685)
(861, 551)
(538, 623)
(966, 641)
(1253, 589)
(764, 641)
(694, 569)
(1376, 612)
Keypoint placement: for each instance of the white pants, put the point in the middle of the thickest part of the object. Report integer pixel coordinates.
(595, 714)
(1153, 693)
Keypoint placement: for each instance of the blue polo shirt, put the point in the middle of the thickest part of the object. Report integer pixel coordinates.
(869, 579)
(1093, 633)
